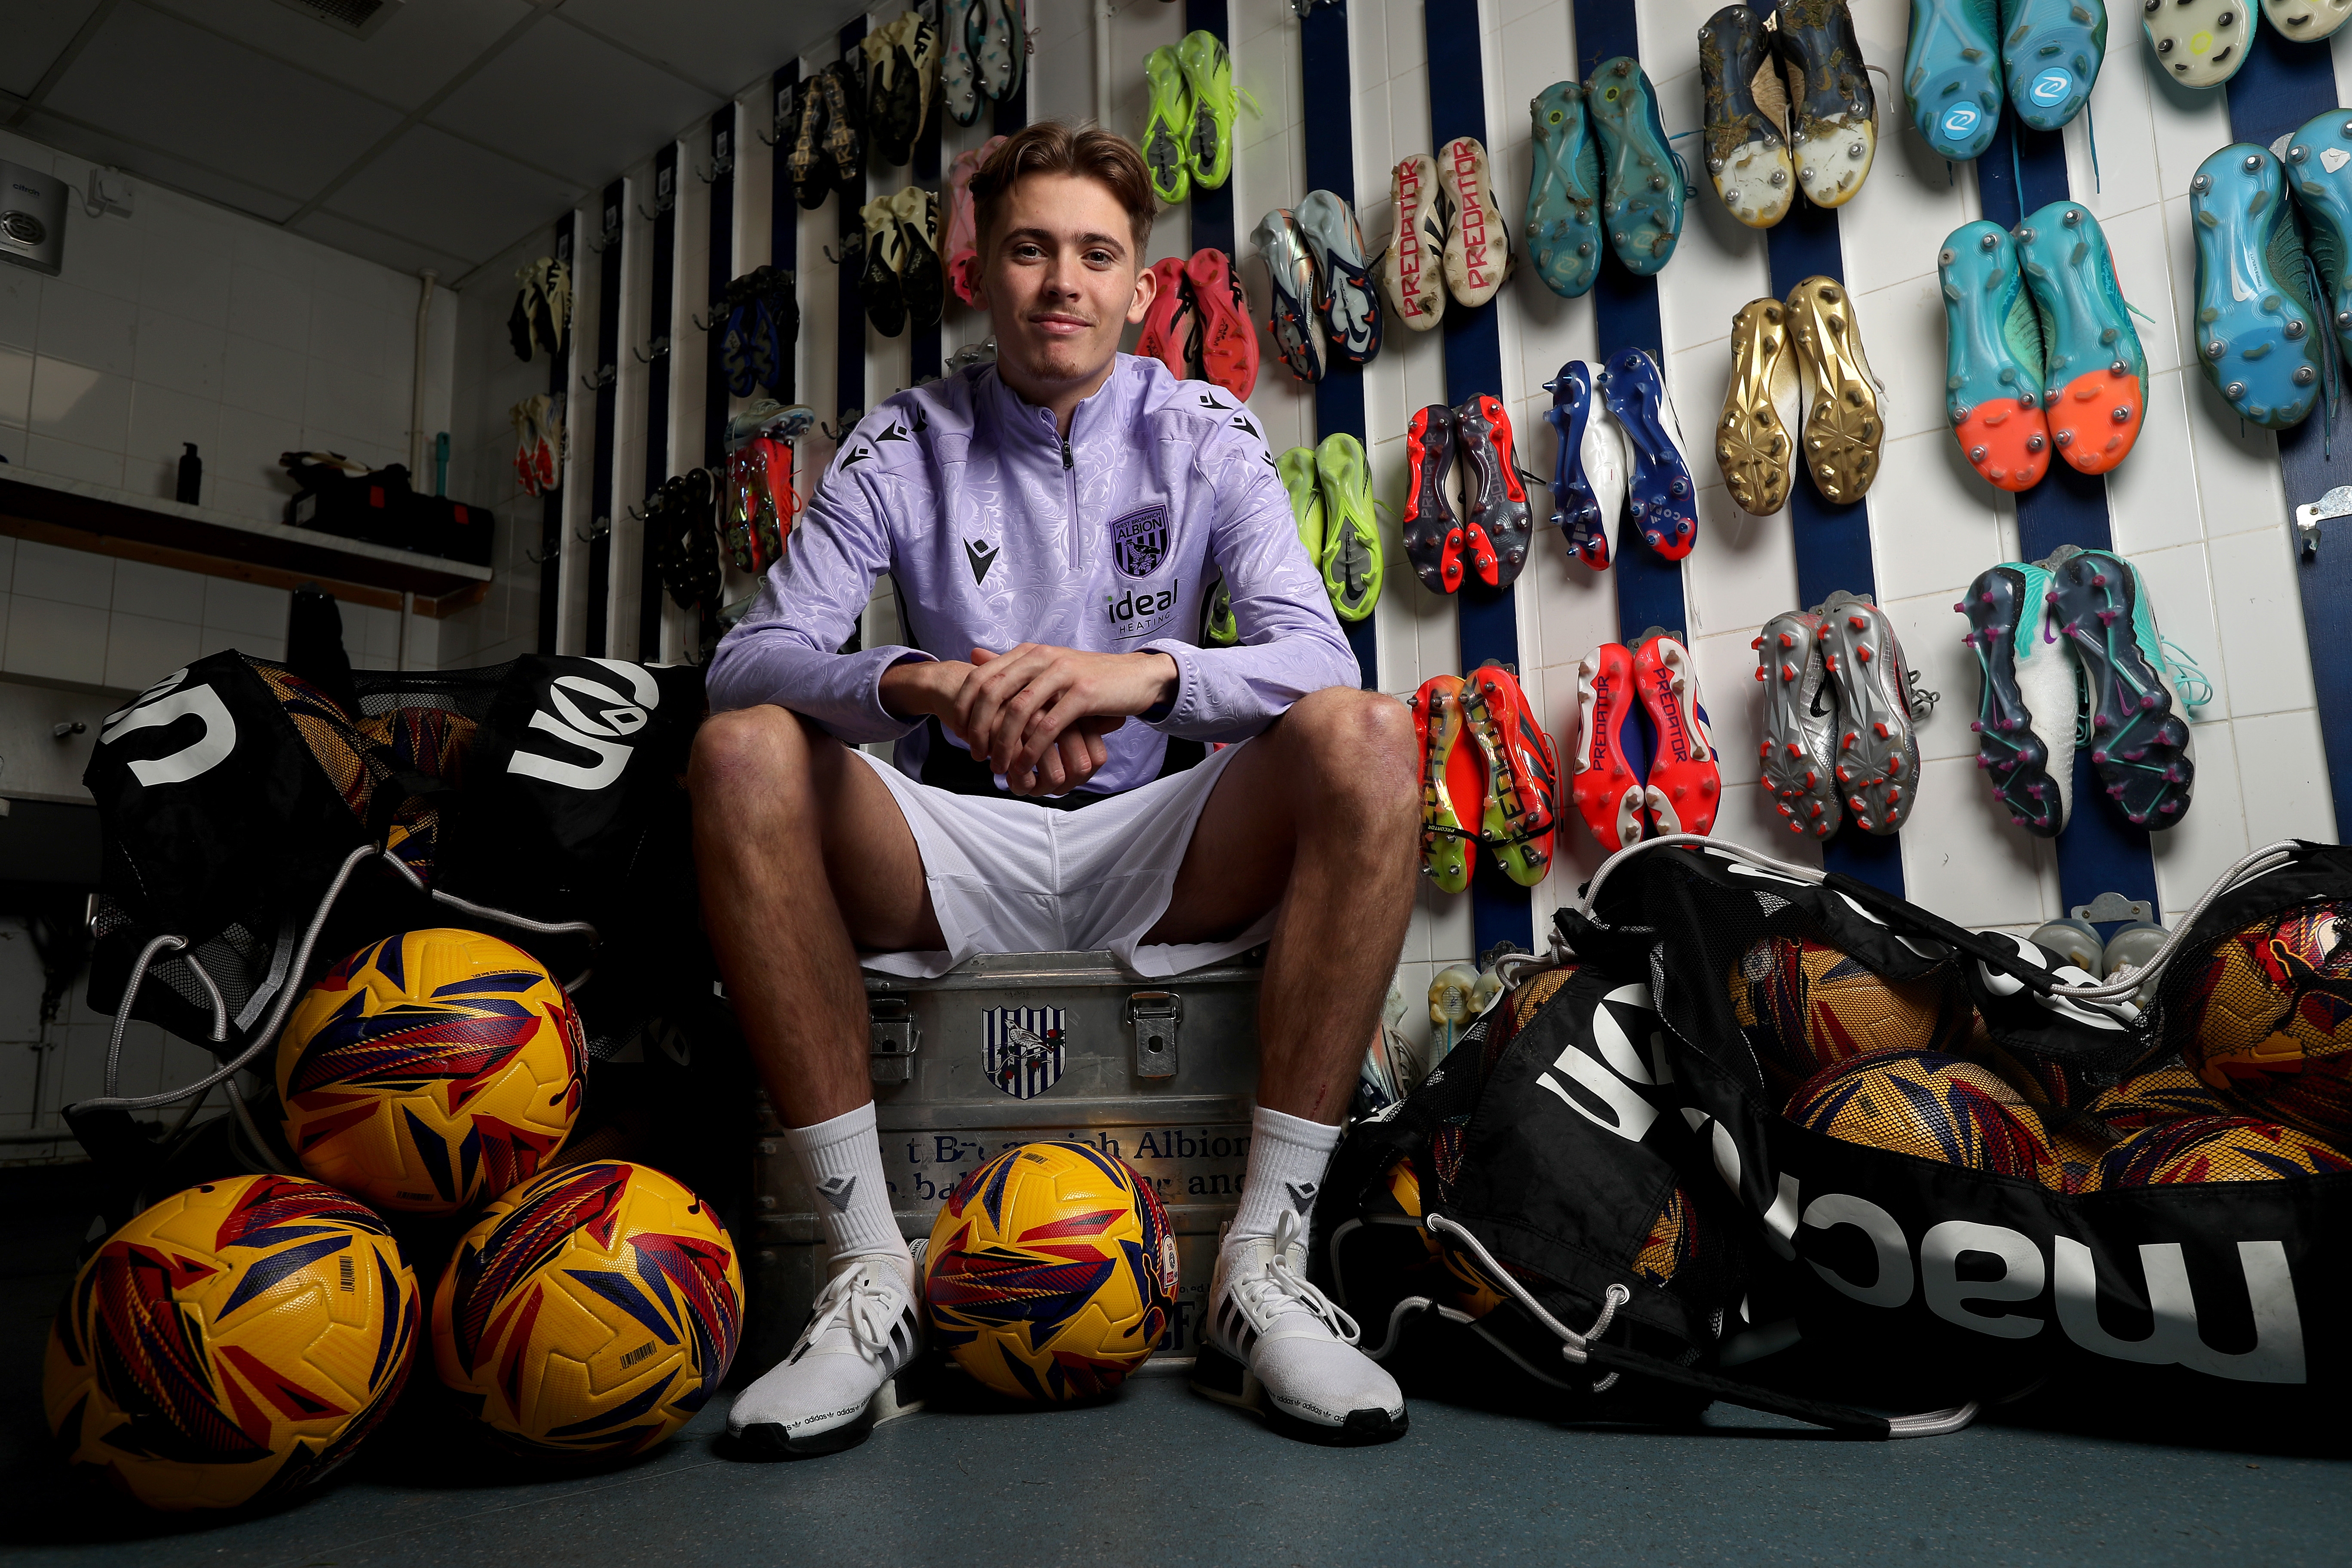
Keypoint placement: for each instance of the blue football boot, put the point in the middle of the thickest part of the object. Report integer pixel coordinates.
(1748, 154)
(1661, 496)
(1644, 210)
(2307, 19)
(2094, 376)
(2254, 320)
(2139, 731)
(1833, 112)
(2053, 49)
(1563, 226)
(1588, 485)
(1993, 357)
(1951, 75)
(2319, 165)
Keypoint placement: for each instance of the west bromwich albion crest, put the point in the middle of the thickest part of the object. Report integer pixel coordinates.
(1138, 542)
(1022, 1049)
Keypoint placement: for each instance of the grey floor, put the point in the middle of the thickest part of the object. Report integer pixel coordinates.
(1162, 1479)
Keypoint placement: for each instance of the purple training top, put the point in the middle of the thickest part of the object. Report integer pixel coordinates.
(997, 532)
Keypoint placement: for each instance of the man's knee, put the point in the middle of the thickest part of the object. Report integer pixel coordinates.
(1357, 742)
(763, 752)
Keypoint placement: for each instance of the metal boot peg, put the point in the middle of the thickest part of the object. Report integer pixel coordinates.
(2335, 503)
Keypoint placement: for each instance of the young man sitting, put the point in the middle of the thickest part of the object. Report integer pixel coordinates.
(1053, 523)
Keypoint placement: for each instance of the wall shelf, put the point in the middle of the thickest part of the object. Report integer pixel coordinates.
(75, 514)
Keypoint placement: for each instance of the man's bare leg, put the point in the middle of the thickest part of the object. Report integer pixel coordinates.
(804, 854)
(1317, 818)
(803, 857)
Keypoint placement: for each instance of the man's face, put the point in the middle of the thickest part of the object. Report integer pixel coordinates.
(1061, 279)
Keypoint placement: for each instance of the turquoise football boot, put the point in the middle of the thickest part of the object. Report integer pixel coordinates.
(2139, 729)
(2094, 376)
(1993, 357)
(2053, 49)
(2319, 164)
(1644, 209)
(1564, 192)
(1951, 75)
(2255, 317)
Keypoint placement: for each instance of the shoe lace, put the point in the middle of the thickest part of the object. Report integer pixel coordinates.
(858, 1298)
(2196, 690)
(1282, 1290)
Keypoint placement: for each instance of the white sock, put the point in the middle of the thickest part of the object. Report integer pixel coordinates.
(842, 1162)
(1286, 1157)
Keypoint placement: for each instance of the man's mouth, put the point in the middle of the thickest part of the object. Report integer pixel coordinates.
(1061, 324)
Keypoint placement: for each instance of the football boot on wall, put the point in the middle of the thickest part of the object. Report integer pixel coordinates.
(1747, 98)
(1874, 750)
(1522, 774)
(2025, 714)
(1643, 210)
(1351, 561)
(1351, 306)
(1613, 750)
(1167, 125)
(1216, 104)
(2139, 730)
(2307, 19)
(1833, 113)
(1296, 471)
(1294, 319)
(842, 149)
(1228, 352)
(1993, 357)
(1432, 525)
(1477, 242)
(1756, 439)
(922, 278)
(1797, 767)
(1000, 46)
(1496, 520)
(1170, 332)
(1588, 487)
(1453, 785)
(1662, 495)
(1684, 785)
(1413, 267)
(2198, 43)
(2319, 166)
(2094, 376)
(879, 287)
(1842, 428)
(959, 71)
(1564, 192)
(2054, 49)
(2254, 319)
(1951, 75)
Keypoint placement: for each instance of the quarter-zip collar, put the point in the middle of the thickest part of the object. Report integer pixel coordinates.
(1031, 425)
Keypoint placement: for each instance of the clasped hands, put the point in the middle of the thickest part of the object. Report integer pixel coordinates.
(1035, 713)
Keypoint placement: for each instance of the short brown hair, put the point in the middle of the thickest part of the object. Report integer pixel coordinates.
(1051, 147)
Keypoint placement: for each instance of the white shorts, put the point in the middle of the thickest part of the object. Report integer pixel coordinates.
(1007, 876)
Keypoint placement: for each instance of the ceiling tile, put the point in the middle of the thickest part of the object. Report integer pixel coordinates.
(731, 42)
(450, 194)
(419, 49)
(562, 100)
(37, 31)
(390, 250)
(145, 164)
(156, 79)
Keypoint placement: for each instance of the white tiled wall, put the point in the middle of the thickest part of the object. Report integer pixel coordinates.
(184, 322)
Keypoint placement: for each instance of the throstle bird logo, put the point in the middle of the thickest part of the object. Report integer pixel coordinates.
(1022, 1049)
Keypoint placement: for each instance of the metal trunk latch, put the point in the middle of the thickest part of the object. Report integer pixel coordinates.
(1155, 1015)
(891, 1023)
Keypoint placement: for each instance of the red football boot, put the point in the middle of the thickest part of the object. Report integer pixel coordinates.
(1684, 786)
(1434, 538)
(1522, 774)
(1613, 753)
